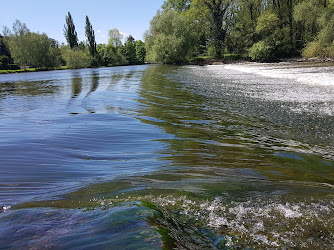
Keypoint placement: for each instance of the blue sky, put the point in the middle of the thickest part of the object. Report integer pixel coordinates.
(129, 16)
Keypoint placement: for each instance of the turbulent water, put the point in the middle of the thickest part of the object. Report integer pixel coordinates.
(151, 157)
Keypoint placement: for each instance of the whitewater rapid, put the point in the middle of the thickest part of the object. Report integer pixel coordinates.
(318, 73)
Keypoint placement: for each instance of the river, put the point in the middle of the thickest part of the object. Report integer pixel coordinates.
(155, 156)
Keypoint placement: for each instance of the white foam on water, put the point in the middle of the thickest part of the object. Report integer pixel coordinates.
(5, 208)
(309, 75)
(308, 88)
(268, 222)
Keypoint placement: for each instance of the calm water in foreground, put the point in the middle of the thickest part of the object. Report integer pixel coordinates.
(151, 157)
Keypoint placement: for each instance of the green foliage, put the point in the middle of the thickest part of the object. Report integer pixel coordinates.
(170, 39)
(275, 40)
(270, 29)
(130, 50)
(119, 58)
(115, 37)
(232, 57)
(219, 18)
(102, 54)
(177, 5)
(56, 57)
(110, 56)
(242, 36)
(8, 68)
(69, 32)
(260, 51)
(322, 44)
(267, 23)
(90, 37)
(39, 50)
(133, 52)
(4, 59)
(307, 14)
(13, 67)
(316, 49)
(199, 27)
(326, 35)
(167, 49)
(211, 51)
(76, 58)
(198, 60)
(326, 22)
(29, 48)
(140, 52)
(5, 52)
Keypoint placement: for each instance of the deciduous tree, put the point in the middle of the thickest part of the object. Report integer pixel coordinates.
(115, 37)
(76, 58)
(29, 48)
(130, 50)
(169, 39)
(177, 5)
(219, 14)
(140, 52)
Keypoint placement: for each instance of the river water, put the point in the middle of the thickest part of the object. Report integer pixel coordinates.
(154, 156)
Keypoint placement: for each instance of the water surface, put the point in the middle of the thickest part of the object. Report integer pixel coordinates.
(168, 157)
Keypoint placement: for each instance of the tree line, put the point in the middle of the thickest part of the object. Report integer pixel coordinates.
(254, 29)
(23, 47)
(187, 30)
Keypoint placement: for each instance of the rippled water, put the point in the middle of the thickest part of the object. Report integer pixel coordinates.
(146, 157)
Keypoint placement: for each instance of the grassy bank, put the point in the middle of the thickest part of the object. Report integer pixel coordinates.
(9, 71)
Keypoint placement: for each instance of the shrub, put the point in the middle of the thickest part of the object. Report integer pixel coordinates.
(260, 51)
(198, 60)
(13, 66)
(316, 49)
(313, 49)
(76, 58)
(4, 59)
(232, 57)
(211, 51)
(9, 66)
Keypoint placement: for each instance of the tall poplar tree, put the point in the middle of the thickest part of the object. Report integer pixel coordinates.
(91, 37)
(69, 32)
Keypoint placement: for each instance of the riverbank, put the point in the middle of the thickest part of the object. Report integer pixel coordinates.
(10, 71)
(202, 61)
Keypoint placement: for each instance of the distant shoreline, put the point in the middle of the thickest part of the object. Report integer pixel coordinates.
(202, 63)
(9, 71)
